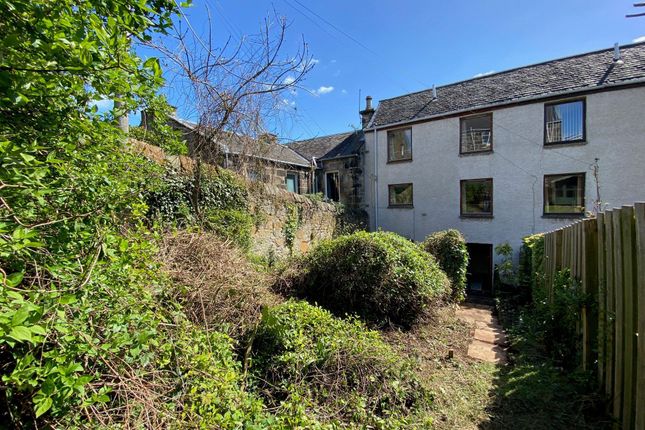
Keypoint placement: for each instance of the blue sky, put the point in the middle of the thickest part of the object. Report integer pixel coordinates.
(389, 48)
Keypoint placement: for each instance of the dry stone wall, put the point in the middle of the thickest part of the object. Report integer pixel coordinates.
(286, 223)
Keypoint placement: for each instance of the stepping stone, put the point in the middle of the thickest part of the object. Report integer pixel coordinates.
(487, 352)
(489, 338)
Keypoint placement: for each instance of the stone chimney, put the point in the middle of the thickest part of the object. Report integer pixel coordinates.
(366, 114)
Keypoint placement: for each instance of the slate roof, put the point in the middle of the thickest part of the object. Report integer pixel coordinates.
(327, 147)
(244, 145)
(582, 72)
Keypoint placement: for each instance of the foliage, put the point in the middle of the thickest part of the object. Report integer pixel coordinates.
(337, 368)
(222, 196)
(531, 271)
(506, 269)
(381, 277)
(157, 132)
(449, 249)
(291, 225)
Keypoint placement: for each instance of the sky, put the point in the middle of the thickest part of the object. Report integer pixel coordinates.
(390, 48)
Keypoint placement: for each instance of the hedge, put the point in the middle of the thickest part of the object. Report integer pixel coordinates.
(449, 248)
(381, 277)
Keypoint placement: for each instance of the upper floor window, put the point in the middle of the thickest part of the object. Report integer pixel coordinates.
(476, 134)
(399, 145)
(400, 195)
(564, 122)
(477, 198)
(564, 194)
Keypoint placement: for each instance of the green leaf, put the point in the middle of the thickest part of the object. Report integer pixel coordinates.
(43, 406)
(20, 333)
(15, 279)
(68, 299)
(20, 316)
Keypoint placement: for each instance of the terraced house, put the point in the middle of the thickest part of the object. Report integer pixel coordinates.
(503, 156)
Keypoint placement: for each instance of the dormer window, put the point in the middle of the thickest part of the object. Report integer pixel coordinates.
(564, 122)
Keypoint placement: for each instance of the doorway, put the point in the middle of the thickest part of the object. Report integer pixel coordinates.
(332, 186)
(479, 280)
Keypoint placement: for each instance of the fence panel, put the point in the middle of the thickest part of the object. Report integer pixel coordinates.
(607, 256)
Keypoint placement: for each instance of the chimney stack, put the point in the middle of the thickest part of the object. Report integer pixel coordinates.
(434, 92)
(366, 114)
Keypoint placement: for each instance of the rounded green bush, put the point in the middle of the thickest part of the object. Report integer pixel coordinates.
(380, 277)
(338, 369)
(449, 249)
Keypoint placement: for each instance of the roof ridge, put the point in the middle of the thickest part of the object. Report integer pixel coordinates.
(320, 137)
(597, 51)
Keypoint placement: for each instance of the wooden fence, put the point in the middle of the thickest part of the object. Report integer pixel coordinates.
(607, 255)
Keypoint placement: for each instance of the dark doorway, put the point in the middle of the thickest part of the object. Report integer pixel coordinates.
(332, 186)
(480, 269)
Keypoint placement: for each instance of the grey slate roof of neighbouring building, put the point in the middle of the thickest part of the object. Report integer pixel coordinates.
(331, 146)
(584, 72)
(242, 145)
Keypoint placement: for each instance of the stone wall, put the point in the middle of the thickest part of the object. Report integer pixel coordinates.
(277, 209)
(279, 214)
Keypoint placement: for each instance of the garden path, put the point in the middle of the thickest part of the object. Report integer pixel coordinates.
(489, 339)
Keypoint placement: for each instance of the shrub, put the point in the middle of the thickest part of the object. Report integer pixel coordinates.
(531, 264)
(449, 248)
(338, 368)
(381, 277)
(231, 224)
(214, 282)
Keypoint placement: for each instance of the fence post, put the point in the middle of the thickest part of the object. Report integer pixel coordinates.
(589, 263)
(639, 209)
(628, 239)
(611, 303)
(602, 299)
(619, 356)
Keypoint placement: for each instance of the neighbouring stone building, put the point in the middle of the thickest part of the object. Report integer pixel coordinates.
(263, 159)
(338, 161)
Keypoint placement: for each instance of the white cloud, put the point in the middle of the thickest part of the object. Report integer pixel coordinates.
(323, 90)
(289, 103)
(639, 39)
(343, 91)
(479, 75)
(289, 80)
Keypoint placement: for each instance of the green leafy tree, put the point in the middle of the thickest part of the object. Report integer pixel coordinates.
(65, 183)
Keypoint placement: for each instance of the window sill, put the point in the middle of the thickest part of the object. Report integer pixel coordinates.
(407, 160)
(400, 207)
(564, 216)
(471, 153)
(474, 216)
(565, 143)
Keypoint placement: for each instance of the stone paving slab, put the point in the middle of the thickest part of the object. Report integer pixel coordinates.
(489, 338)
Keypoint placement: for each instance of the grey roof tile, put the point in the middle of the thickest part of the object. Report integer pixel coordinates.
(577, 73)
(331, 146)
(244, 145)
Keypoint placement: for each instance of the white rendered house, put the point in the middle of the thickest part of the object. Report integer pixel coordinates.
(510, 154)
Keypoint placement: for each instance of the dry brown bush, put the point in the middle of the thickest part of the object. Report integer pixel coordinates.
(217, 285)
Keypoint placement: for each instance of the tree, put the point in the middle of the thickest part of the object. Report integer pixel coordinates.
(65, 183)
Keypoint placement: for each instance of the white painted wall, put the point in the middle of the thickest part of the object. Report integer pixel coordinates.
(615, 134)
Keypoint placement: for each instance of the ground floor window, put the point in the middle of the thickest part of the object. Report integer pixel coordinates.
(332, 186)
(400, 195)
(477, 198)
(291, 182)
(564, 194)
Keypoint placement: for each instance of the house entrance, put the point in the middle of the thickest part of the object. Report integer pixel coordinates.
(332, 186)
(479, 280)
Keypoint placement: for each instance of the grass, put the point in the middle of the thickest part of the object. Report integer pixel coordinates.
(460, 386)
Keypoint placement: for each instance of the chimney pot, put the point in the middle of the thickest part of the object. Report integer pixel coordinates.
(617, 56)
(368, 103)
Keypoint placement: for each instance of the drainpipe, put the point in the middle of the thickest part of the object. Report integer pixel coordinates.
(375, 177)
